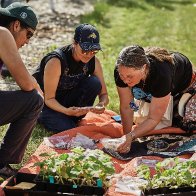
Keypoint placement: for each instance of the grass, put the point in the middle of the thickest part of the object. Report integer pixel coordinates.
(168, 23)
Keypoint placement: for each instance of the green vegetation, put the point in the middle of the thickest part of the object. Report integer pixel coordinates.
(171, 172)
(81, 167)
(168, 23)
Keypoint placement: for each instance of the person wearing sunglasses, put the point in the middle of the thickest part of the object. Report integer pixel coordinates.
(19, 108)
(71, 78)
(147, 80)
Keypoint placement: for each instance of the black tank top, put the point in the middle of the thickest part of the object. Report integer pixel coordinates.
(72, 72)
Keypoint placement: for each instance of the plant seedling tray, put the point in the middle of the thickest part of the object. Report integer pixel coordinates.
(68, 187)
(185, 191)
(45, 188)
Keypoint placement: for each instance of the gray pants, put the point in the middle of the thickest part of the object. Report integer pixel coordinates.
(21, 110)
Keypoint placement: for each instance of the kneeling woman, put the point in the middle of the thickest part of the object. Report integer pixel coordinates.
(153, 76)
(71, 78)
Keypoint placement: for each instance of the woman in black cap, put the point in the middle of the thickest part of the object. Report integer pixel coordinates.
(71, 78)
(19, 108)
(146, 81)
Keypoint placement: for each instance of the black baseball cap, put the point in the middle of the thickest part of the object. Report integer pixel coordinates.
(87, 36)
(22, 12)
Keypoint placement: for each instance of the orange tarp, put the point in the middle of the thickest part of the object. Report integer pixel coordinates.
(95, 126)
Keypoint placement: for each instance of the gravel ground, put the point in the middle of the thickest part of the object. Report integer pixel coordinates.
(54, 29)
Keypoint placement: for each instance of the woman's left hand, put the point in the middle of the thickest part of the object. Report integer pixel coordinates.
(126, 146)
(98, 109)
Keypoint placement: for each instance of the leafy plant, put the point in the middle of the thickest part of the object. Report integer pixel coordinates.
(172, 173)
(143, 171)
(81, 167)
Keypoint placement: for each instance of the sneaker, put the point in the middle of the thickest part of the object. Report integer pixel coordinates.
(7, 171)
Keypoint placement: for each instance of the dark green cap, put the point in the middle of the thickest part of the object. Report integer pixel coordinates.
(22, 12)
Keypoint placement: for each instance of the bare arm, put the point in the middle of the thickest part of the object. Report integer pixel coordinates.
(125, 97)
(52, 74)
(10, 56)
(103, 96)
(157, 109)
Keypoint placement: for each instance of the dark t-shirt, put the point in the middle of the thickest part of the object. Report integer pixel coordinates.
(72, 72)
(164, 77)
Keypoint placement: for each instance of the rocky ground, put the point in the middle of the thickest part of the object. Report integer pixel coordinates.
(55, 28)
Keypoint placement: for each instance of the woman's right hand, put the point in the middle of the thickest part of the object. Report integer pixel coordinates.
(77, 111)
(126, 146)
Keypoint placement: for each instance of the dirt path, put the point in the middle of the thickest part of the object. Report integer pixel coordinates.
(53, 29)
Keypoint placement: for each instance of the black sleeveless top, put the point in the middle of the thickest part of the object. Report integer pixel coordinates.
(72, 72)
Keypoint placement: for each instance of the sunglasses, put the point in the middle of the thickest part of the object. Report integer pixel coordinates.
(29, 33)
(92, 52)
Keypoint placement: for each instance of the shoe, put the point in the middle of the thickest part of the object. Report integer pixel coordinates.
(5, 73)
(8, 171)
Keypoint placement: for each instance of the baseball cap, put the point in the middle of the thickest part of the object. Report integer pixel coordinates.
(87, 36)
(22, 12)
